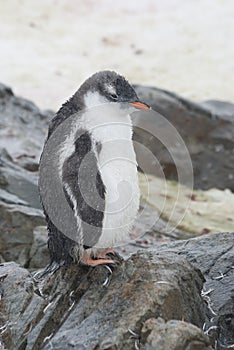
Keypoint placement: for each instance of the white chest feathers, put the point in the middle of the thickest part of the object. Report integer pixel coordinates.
(118, 168)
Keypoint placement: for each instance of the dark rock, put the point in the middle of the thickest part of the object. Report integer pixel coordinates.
(39, 253)
(5, 92)
(23, 127)
(156, 334)
(222, 109)
(18, 181)
(19, 304)
(207, 130)
(20, 211)
(146, 285)
(16, 226)
(218, 289)
(72, 308)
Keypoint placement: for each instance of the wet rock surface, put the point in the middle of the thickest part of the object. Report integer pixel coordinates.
(39, 254)
(22, 130)
(146, 284)
(173, 334)
(207, 130)
(20, 210)
(218, 289)
(158, 298)
(23, 126)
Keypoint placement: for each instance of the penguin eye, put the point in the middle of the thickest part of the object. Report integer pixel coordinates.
(114, 96)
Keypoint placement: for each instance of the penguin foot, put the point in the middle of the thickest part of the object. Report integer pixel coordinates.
(108, 253)
(103, 253)
(88, 261)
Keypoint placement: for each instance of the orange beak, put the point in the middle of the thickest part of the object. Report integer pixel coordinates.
(139, 105)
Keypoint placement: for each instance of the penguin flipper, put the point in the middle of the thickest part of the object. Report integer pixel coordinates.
(85, 190)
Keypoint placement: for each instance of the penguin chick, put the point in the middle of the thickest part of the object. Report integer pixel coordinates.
(97, 169)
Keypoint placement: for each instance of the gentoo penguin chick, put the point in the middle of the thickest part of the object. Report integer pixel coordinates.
(96, 160)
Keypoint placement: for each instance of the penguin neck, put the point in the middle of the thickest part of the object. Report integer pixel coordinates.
(107, 122)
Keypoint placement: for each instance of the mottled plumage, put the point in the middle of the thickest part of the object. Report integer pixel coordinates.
(108, 155)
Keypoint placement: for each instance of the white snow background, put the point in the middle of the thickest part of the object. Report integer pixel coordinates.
(49, 47)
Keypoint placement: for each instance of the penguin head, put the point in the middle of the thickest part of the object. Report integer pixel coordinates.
(108, 86)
